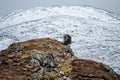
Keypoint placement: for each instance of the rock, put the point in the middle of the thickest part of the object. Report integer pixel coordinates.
(47, 59)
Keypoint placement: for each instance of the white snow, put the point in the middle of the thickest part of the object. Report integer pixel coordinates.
(95, 33)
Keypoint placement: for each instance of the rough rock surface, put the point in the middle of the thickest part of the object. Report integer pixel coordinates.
(47, 59)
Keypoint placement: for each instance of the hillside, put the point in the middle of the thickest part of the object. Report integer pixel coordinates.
(48, 59)
(95, 33)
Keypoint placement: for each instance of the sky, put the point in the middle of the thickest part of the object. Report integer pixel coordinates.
(8, 6)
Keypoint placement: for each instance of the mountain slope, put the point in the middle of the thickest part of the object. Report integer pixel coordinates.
(48, 59)
(95, 33)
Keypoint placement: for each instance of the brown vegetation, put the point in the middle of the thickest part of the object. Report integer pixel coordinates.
(47, 59)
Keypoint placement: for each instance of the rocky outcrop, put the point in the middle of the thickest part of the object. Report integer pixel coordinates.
(47, 59)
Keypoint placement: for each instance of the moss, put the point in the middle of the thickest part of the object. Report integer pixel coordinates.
(66, 67)
(50, 76)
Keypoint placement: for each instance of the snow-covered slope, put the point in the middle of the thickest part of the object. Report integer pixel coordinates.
(95, 33)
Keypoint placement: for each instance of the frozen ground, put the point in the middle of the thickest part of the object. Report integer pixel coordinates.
(95, 33)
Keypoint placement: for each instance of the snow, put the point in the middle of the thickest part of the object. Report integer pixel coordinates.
(95, 33)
